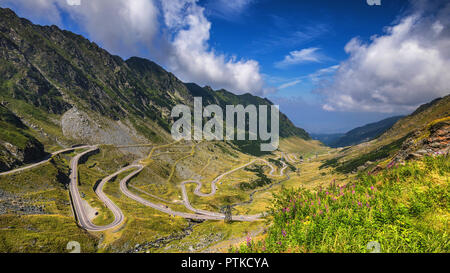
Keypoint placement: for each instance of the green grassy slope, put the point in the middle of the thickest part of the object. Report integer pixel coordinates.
(404, 209)
(17, 145)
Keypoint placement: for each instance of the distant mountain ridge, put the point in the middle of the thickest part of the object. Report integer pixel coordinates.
(72, 91)
(364, 133)
(327, 139)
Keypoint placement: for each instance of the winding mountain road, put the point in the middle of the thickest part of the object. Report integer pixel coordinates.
(77, 202)
(80, 210)
(291, 158)
(124, 189)
(44, 160)
(197, 190)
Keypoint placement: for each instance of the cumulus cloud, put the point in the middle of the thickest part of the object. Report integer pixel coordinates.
(174, 33)
(121, 26)
(407, 66)
(300, 56)
(192, 59)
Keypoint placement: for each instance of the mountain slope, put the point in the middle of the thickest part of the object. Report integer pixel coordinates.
(53, 71)
(365, 133)
(424, 128)
(17, 145)
(69, 90)
(223, 97)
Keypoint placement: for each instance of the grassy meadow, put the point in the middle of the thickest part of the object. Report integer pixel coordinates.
(404, 209)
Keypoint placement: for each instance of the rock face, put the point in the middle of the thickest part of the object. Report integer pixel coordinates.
(432, 140)
(439, 137)
(10, 203)
(33, 150)
(435, 142)
(80, 126)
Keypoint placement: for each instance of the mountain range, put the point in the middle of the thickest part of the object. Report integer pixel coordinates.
(364, 133)
(102, 170)
(59, 89)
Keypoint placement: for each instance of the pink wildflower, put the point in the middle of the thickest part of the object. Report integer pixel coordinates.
(249, 241)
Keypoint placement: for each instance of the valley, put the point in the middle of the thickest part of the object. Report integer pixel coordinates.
(108, 208)
(88, 155)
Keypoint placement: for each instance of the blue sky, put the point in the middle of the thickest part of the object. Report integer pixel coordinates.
(268, 30)
(330, 65)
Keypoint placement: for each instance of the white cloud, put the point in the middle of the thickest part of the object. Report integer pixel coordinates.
(395, 72)
(179, 41)
(318, 77)
(289, 84)
(226, 9)
(192, 59)
(121, 26)
(46, 12)
(300, 56)
(235, 6)
(323, 73)
(74, 2)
